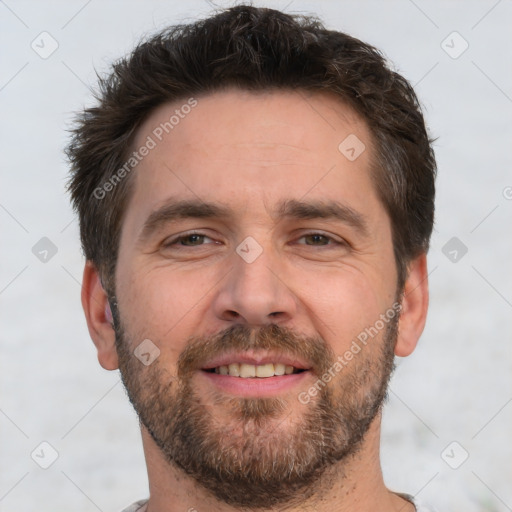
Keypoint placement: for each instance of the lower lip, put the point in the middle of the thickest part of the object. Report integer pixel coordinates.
(255, 386)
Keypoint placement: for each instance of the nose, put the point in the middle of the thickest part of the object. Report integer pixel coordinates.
(255, 292)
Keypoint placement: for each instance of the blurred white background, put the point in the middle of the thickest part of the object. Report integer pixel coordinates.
(456, 387)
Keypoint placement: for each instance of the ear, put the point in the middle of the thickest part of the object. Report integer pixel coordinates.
(414, 307)
(99, 317)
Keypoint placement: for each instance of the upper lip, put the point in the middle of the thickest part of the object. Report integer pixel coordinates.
(256, 358)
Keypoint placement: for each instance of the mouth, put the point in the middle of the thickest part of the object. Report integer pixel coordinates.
(253, 375)
(262, 371)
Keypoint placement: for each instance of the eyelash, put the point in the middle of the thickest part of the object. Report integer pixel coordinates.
(175, 241)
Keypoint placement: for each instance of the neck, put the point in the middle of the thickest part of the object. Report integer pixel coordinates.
(355, 483)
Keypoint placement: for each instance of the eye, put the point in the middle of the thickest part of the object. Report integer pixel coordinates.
(195, 239)
(320, 240)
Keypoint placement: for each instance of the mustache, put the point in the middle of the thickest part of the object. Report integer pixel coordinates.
(270, 337)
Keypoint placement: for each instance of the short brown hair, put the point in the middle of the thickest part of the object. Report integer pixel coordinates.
(253, 49)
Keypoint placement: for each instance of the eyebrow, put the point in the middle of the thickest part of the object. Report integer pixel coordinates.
(174, 210)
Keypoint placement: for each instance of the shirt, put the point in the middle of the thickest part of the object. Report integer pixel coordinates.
(140, 506)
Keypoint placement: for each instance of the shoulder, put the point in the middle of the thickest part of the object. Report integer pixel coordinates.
(420, 507)
(138, 506)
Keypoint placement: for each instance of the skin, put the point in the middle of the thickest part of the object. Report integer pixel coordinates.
(249, 151)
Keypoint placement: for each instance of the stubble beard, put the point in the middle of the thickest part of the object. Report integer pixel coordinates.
(259, 452)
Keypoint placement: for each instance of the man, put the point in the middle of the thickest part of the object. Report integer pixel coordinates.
(256, 198)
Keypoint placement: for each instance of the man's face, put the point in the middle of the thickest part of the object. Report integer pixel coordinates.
(266, 285)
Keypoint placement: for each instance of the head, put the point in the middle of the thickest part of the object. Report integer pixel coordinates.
(255, 129)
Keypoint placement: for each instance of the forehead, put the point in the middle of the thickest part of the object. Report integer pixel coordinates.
(251, 150)
(295, 120)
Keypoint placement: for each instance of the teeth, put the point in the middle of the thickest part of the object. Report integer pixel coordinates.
(250, 370)
(247, 370)
(279, 369)
(234, 370)
(265, 370)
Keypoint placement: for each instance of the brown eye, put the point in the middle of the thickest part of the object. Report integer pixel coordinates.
(319, 240)
(187, 240)
(193, 239)
(316, 238)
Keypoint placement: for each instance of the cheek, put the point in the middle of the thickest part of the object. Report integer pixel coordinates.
(168, 306)
(157, 306)
(342, 303)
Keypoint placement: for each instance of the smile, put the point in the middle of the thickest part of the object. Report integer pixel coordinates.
(245, 371)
